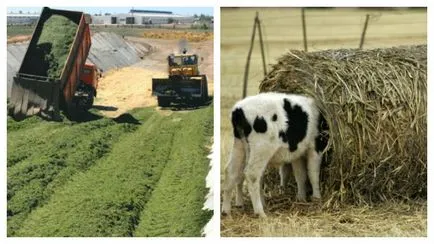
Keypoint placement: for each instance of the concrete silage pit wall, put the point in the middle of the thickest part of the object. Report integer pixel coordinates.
(15, 55)
(108, 51)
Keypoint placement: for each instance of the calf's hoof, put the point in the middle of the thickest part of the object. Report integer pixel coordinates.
(224, 213)
(316, 199)
(301, 198)
(260, 215)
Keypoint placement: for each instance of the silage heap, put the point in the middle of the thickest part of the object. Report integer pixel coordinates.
(375, 102)
(53, 45)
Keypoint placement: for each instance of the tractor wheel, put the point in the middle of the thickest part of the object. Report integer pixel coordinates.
(163, 101)
(205, 90)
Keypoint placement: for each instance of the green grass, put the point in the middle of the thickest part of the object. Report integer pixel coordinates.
(138, 32)
(16, 30)
(13, 125)
(173, 207)
(44, 157)
(112, 196)
(52, 48)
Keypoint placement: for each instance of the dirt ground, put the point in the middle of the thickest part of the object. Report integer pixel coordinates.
(394, 219)
(127, 88)
(189, 36)
(20, 38)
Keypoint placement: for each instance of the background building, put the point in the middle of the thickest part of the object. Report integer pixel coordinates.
(22, 19)
(142, 17)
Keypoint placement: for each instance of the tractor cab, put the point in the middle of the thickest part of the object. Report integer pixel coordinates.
(183, 65)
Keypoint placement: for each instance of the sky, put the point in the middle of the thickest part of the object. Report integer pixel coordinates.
(113, 10)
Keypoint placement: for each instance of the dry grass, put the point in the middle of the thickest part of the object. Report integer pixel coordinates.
(19, 38)
(282, 28)
(126, 88)
(388, 219)
(177, 35)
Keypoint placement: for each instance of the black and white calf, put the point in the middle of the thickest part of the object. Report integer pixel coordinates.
(274, 129)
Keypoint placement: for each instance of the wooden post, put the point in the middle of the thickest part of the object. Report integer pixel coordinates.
(362, 40)
(246, 71)
(262, 44)
(303, 20)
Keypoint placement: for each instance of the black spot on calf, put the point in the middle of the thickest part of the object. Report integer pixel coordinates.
(283, 136)
(274, 118)
(297, 121)
(241, 126)
(260, 125)
(322, 138)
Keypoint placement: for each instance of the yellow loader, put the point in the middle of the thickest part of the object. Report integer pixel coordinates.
(185, 84)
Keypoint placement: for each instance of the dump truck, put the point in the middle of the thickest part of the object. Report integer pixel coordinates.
(184, 85)
(37, 89)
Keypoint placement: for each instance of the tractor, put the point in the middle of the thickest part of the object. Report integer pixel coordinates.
(184, 85)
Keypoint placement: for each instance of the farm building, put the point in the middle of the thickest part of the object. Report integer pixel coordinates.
(142, 17)
(21, 19)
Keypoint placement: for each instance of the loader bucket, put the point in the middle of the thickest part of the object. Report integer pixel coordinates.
(34, 95)
(178, 86)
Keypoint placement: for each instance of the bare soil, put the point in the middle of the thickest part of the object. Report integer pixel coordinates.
(124, 89)
(19, 38)
(189, 36)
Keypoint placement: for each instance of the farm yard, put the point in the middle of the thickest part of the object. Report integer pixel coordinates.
(124, 169)
(346, 210)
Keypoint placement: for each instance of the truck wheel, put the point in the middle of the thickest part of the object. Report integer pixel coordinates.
(86, 102)
(163, 101)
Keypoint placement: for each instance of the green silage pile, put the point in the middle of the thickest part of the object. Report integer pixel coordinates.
(53, 46)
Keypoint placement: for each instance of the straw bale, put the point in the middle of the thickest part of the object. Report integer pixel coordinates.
(375, 102)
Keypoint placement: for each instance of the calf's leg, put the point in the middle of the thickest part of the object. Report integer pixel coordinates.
(284, 173)
(239, 201)
(313, 168)
(258, 160)
(299, 168)
(233, 173)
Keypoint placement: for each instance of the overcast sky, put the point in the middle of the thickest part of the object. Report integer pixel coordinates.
(113, 10)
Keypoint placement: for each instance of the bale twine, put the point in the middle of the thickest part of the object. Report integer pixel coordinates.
(375, 102)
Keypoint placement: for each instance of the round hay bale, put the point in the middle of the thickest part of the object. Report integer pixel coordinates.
(375, 102)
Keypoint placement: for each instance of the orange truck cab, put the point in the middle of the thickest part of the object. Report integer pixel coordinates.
(90, 75)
